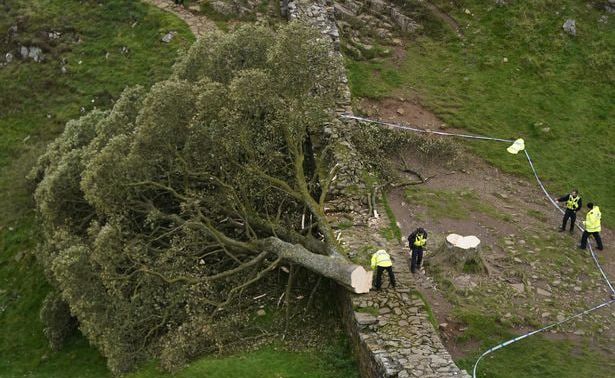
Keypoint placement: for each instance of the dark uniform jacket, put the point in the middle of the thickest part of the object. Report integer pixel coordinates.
(412, 238)
(565, 198)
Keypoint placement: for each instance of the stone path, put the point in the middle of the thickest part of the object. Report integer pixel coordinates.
(199, 24)
(394, 323)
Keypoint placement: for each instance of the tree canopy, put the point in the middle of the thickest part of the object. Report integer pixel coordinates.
(160, 211)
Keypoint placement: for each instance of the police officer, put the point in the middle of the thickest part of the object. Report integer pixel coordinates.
(573, 204)
(416, 242)
(382, 261)
(592, 226)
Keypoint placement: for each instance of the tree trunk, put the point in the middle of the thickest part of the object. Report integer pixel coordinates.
(461, 253)
(352, 276)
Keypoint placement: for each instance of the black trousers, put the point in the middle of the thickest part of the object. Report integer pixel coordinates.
(416, 260)
(389, 270)
(572, 215)
(586, 236)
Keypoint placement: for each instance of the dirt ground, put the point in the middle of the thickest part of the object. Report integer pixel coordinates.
(536, 275)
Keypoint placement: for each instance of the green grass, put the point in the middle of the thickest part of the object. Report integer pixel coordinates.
(265, 363)
(35, 102)
(36, 99)
(440, 203)
(368, 310)
(551, 80)
(535, 356)
(393, 232)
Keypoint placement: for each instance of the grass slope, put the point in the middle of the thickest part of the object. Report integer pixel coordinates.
(265, 363)
(532, 357)
(35, 102)
(549, 80)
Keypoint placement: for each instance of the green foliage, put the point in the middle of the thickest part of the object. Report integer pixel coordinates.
(378, 146)
(152, 211)
(59, 323)
(383, 150)
(549, 77)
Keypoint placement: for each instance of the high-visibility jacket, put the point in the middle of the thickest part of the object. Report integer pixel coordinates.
(381, 258)
(420, 240)
(592, 220)
(573, 202)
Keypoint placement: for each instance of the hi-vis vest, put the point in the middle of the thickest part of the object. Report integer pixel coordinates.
(592, 220)
(573, 202)
(419, 241)
(381, 258)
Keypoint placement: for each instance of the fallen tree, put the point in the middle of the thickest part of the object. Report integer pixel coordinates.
(159, 212)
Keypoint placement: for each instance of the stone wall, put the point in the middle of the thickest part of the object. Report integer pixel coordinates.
(348, 183)
(390, 329)
(321, 15)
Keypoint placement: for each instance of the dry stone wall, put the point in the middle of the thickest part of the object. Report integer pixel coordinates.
(391, 332)
(321, 15)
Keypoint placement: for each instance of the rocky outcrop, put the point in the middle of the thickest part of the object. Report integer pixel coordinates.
(570, 27)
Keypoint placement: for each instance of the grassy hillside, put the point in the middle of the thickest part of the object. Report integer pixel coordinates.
(36, 99)
(517, 74)
(104, 46)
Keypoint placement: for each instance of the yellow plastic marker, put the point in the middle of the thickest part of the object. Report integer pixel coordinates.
(519, 145)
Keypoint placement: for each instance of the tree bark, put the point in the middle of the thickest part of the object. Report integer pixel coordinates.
(352, 276)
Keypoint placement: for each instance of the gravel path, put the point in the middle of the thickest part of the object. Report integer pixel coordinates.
(199, 24)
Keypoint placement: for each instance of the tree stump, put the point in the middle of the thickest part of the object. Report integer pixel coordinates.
(461, 253)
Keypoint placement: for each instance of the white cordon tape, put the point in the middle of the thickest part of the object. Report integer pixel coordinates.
(578, 225)
(527, 155)
(511, 341)
(403, 127)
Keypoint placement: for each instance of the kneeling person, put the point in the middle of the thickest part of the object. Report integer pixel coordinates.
(382, 261)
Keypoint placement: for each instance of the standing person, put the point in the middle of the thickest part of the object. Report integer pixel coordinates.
(592, 226)
(382, 261)
(416, 242)
(573, 204)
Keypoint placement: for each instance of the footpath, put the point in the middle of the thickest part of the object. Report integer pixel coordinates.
(199, 25)
(394, 324)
